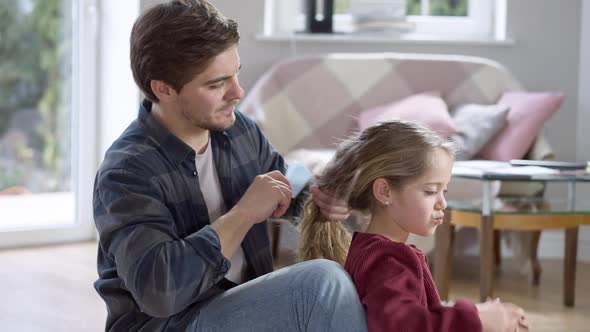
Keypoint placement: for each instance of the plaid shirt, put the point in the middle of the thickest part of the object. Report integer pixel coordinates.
(159, 259)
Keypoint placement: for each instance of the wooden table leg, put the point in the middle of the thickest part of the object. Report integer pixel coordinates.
(498, 247)
(535, 264)
(569, 266)
(443, 254)
(486, 256)
(275, 227)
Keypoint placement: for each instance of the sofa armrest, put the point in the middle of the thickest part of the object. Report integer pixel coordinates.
(541, 149)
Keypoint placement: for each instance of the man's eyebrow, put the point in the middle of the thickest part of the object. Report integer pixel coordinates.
(222, 78)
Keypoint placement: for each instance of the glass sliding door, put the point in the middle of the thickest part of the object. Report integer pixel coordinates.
(47, 120)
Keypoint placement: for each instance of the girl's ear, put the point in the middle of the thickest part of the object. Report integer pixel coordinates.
(382, 191)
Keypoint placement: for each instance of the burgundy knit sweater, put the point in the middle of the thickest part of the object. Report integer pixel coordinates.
(397, 290)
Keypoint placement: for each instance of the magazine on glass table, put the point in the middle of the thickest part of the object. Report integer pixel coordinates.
(500, 170)
(555, 164)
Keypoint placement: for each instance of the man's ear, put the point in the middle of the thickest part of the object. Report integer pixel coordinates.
(382, 191)
(162, 90)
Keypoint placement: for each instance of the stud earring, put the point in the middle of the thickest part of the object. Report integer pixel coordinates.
(386, 204)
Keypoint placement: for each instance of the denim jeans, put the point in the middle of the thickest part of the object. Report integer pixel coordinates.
(317, 295)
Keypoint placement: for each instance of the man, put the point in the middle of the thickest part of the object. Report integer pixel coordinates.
(181, 198)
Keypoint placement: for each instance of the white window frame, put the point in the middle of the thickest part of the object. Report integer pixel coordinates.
(486, 20)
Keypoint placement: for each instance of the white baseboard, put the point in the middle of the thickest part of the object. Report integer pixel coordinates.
(552, 244)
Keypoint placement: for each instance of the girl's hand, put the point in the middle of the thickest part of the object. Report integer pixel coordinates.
(501, 317)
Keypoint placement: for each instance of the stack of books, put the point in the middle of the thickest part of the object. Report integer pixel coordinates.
(379, 16)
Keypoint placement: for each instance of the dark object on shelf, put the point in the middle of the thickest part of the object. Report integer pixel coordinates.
(319, 20)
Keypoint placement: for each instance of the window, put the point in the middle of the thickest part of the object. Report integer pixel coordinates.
(47, 141)
(434, 19)
(453, 18)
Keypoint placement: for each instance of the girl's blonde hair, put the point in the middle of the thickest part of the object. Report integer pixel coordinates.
(398, 151)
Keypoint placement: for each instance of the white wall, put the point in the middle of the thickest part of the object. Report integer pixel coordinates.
(584, 86)
(583, 134)
(118, 94)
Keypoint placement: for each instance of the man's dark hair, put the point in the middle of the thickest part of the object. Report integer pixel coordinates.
(175, 41)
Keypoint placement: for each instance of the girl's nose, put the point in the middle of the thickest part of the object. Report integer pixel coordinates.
(441, 203)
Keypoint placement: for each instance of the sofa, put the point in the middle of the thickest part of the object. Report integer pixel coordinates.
(306, 104)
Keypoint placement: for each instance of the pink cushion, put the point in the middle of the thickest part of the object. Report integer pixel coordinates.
(528, 112)
(427, 109)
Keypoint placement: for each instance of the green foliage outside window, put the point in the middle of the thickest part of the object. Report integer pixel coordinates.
(341, 6)
(438, 7)
(35, 48)
(21, 78)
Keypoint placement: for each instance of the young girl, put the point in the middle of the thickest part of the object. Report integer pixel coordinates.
(398, 172)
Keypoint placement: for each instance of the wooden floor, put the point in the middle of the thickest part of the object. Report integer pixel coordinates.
(50, 289)
(543, 304)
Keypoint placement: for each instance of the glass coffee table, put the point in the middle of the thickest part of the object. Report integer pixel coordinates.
(491, 214)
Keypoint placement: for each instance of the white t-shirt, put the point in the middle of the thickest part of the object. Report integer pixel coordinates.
(209, 183)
